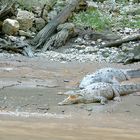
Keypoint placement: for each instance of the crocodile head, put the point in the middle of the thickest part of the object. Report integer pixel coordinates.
(73, 98)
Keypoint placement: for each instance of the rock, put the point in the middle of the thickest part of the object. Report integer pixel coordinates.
(90, 49)
(10, 26)
(133, 55)
(39, 23)
(92, 5)
(89, 109)
(109, 5)
(105, 54)
(99, 40)
(26, 34)
(133, 10)
(25, 19)
(93, 43)
(80, 47)
(37, 10)
(69, 26)
(33, 29)
(80, 41)
(127, 30)
(52, 14)
(45, 15)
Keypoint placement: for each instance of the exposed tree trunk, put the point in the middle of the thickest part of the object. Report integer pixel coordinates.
(50, 28)
(121, 41)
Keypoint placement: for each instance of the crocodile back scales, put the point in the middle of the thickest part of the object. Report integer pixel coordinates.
(98, 89)
(104, 75)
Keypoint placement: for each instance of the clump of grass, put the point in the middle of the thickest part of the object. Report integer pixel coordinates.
(130, 24)
(126, 21)
(28, 4)
(92, 18)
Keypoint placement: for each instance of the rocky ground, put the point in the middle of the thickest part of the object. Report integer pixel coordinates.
(85, 47)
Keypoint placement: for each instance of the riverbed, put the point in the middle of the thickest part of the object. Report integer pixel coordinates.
(29, 100)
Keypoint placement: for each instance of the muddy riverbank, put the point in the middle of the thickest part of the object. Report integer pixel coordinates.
(29, 110)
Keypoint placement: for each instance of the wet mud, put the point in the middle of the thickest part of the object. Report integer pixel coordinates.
(29, 103)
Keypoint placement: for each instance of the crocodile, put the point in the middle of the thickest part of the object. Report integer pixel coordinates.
(99, 92)
(109, 75)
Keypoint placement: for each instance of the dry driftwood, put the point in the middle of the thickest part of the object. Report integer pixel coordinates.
(134, 55)
(121, 41)
(7, 10)
(92, 35)
(65, 31)
(17, 46)
(50, 28)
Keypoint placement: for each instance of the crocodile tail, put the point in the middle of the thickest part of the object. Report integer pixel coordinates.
(128, 89)
(133, 73)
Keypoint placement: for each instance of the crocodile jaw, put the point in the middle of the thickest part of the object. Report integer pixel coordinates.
(72, 99)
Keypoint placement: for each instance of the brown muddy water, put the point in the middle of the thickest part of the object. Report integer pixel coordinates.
(29, 110)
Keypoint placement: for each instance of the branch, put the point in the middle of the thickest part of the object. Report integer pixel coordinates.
(121, 41)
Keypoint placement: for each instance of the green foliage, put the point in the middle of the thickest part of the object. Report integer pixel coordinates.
(25, 4)
(92, 18)
(28, 4)
(131, 24)
(4, 2)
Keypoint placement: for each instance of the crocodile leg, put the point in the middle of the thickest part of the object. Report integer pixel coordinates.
(115, 81)
(100, 99)
(116, 95)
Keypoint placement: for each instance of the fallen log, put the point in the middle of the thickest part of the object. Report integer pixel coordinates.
(92, 35)
(50, 28)
(121, 41)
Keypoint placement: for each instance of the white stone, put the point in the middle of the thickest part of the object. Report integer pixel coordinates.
(39, 23)
(92, 4)
(26, 34)
(10, 26)
(25, 19)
